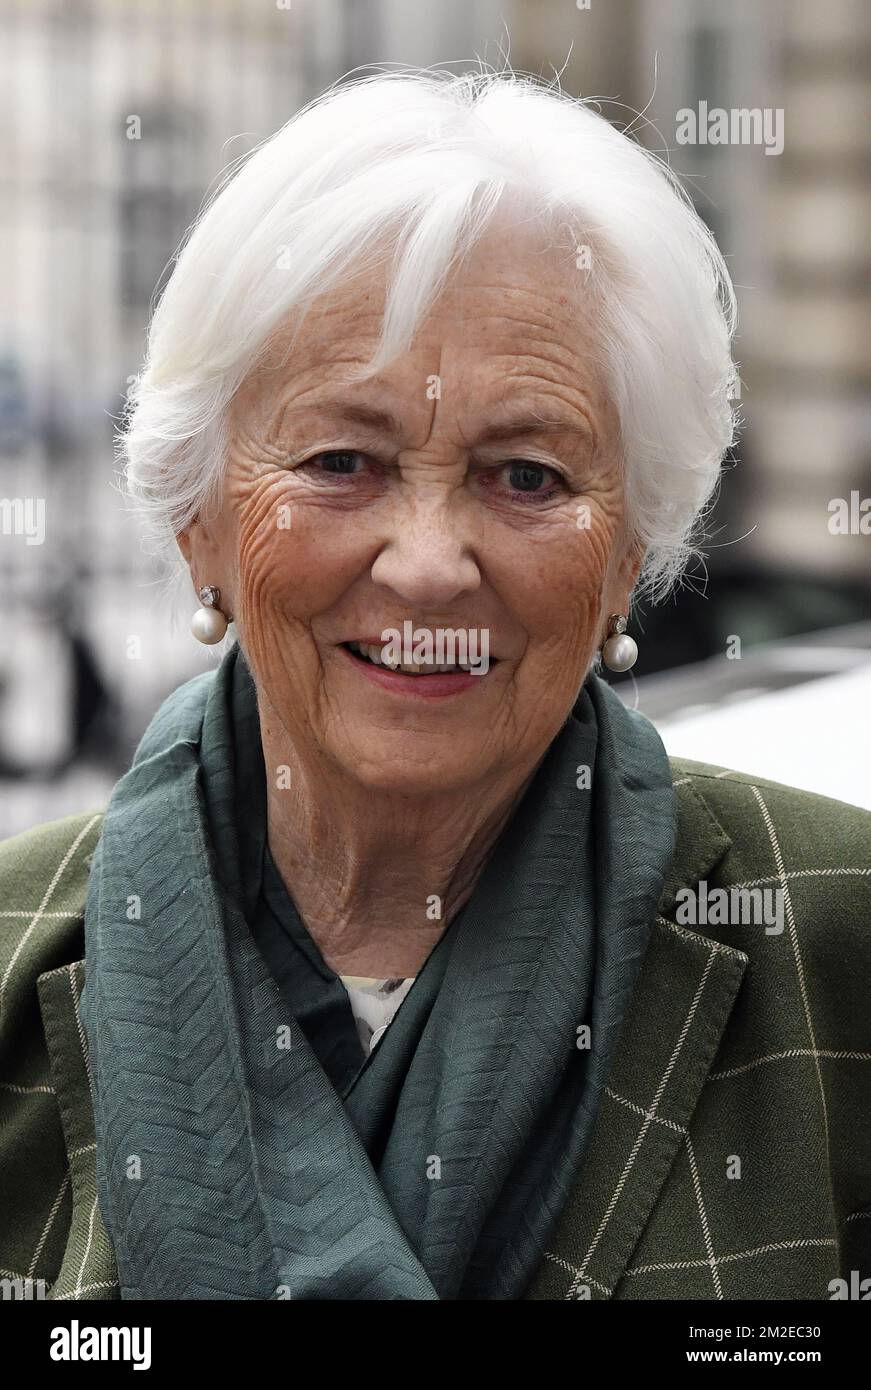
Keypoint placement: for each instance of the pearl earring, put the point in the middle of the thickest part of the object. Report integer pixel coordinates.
(619, 650)
(209, 624)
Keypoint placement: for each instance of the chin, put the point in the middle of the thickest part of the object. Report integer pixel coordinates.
(428, 771)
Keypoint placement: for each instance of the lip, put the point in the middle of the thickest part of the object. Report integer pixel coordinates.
(433, 687)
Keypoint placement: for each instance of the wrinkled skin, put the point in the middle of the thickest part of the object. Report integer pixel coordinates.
(393, 799)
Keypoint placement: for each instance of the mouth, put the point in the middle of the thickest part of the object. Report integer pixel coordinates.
(371, 652)
(412, 677)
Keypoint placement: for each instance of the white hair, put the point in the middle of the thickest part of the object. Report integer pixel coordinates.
(417, 161)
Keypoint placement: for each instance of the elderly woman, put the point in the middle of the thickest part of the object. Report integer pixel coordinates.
(413, 968)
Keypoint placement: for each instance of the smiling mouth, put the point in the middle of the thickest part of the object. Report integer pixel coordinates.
(370, 653)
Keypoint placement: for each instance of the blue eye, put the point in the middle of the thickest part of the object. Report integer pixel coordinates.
(342, 459)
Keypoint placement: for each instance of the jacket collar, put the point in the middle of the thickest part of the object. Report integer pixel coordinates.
(701, 843)
(677, 1016)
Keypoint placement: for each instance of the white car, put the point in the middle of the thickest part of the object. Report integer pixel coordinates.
(797, 712)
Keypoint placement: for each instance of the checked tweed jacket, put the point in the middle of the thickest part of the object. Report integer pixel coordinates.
(731, 1157)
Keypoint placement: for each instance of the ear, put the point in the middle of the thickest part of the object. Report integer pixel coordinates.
(200, 545)
(618, 592)
(183, 541)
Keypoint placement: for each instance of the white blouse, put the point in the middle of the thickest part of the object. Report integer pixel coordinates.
(374, 1002)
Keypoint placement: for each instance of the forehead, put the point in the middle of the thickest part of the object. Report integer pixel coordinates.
(511, 315)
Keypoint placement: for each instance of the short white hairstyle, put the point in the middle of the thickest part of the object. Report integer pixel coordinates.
(406, 169)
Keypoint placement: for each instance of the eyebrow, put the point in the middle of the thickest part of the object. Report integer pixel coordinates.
(522, 424)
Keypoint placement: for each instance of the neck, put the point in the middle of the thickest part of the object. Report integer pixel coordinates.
(377, 877)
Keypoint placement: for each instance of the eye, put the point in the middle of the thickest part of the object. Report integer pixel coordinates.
(528, 479)
(336, 461)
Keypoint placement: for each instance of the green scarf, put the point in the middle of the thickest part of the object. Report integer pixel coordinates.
(245, 1147)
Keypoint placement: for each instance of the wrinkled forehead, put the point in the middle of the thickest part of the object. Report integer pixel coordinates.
(513, 313)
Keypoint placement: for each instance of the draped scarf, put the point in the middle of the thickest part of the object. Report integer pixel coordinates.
(244, 1149)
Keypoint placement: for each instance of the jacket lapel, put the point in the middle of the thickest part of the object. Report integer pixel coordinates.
(88, 1270)
(679, 1010)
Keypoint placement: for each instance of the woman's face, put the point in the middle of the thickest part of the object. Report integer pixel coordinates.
(473, 486)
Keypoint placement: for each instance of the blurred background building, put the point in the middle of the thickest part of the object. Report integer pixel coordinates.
(118, 116)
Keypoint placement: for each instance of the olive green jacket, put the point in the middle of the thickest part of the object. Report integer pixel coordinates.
(731, 1157)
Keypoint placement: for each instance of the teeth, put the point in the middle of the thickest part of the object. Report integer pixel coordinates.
(409, 668)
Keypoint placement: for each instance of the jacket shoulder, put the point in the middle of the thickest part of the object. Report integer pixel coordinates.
(807, 856)
(820, 832)
(43, 887)
(45, 840)
(51, 1236)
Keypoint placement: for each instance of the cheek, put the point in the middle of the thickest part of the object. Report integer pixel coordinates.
(553, 584)
(295, 558)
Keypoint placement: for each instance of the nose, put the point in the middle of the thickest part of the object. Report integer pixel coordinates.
(427, 561)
